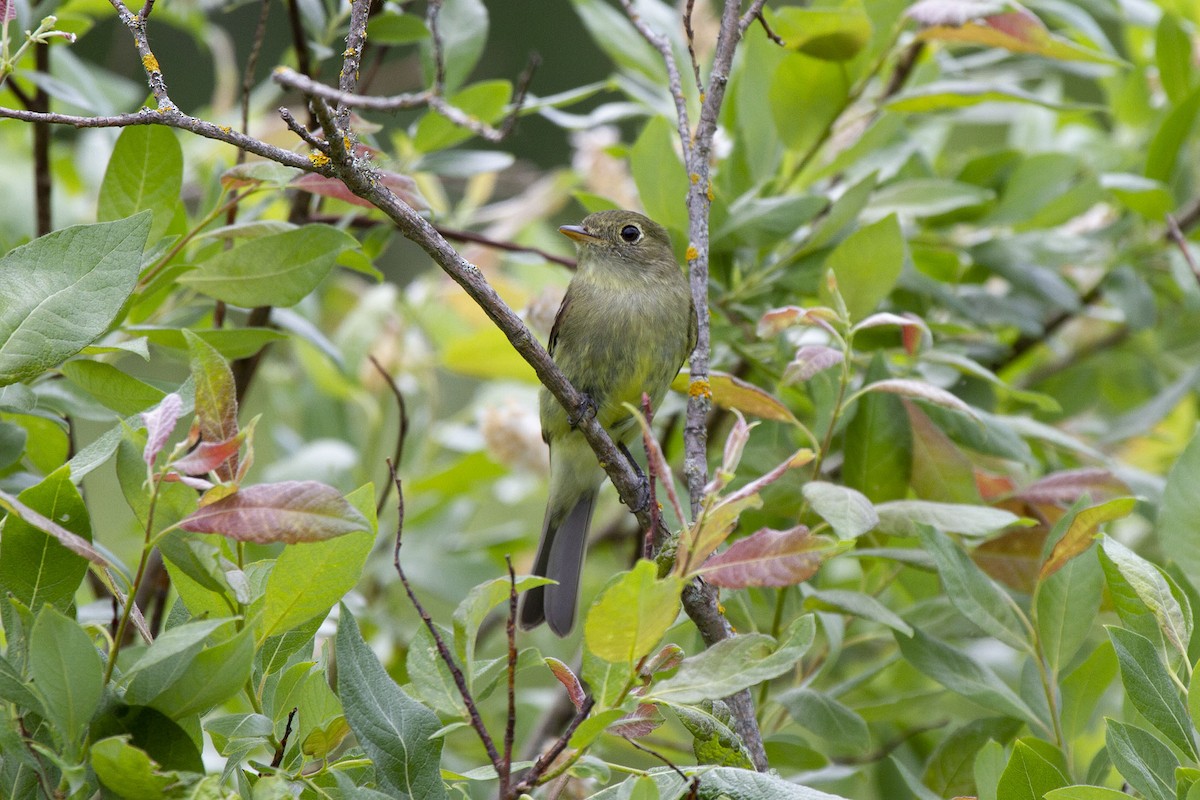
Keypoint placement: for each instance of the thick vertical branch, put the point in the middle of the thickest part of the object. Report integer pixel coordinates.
(699, 598)
(42, 185)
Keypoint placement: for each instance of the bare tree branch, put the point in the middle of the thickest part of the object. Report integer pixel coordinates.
(699, 598)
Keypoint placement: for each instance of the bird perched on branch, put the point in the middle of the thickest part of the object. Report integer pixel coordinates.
(624, 328)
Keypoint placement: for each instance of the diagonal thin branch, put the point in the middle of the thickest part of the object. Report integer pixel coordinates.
(443, 651)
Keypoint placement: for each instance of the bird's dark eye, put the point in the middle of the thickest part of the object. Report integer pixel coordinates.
(631, 233)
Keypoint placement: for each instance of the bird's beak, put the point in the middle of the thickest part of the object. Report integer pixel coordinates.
(578, 233)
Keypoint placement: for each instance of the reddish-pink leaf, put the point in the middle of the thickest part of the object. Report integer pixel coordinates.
(291, 511)
(69, 540)
(920, 391)
(641, 722)
(568, 679)
(196, 483)
(402, 186)
(768, 558)
(1070, 485)
(8, 10)
(811, 359)
(670, 657)
(780, 319)
(159, 421)
(209, 455)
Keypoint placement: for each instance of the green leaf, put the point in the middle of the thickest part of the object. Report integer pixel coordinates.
(867, 264)
(218, 672)
(963, 675)
(928, 197)
(231, 343)
(948, 94)
(474, 609)
(484, 101)
(168, 658)
(1150, 688)
(127, 770)
(115, 389)
(806, 96)
(1083, 688)
(661, 180)
(1146, 197)
(878, 457)
(611, 29)
(432, 682)
(395, 731)
(1150, 588)
(1169, 139)
(63, 291)
(309, 578)
(830, 34)
(34, 566)
(145, 173)
(608, 681)
(1028, 775)
(463, 30)
(736, 663)
(391, 28)
(856, 603)
(950, 772)
(833, 723)
(632, 614)
(847, 510)
(1145, 762)
(68, 675)
(1179, 514)
(276, 270)
(1173, 56)
(16, 690)
(1065, 608)
(713, 738)
(905, 518)
(1085, 793)
(973, 593)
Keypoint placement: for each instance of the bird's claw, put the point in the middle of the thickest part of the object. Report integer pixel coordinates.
(587, 407)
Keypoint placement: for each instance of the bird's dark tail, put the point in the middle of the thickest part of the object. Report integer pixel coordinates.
(560, 558)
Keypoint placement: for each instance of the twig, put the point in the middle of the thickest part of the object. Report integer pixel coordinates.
(772, 35)
(287, 731)
(651, 543)
(260, 32)
(356, 39)
(691, 43)
(660, 757)
(1176, 236)
(435, 37)
(43, 185)
(443, 651)
(1189, 216)
(291, 79)
(510, 723)
(173, 118)
(700, 599)
(542, 762)
(401, 435)
(458, 235)
(293, 125)
(154, 74)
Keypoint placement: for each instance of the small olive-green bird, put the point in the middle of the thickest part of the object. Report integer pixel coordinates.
(624, 328)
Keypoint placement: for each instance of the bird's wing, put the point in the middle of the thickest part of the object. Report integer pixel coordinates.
(558, 318)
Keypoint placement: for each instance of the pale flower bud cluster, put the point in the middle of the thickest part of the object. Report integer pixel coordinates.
(512, 435)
